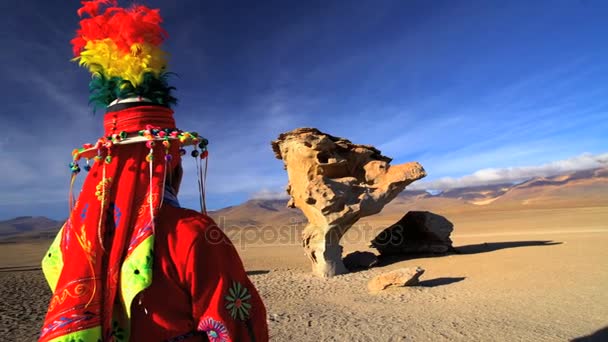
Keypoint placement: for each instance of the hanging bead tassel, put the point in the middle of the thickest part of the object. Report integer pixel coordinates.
(204, 156)
(75, 169)
(203, 174)
(150, 159)
(103, 207)
(195, 154)
(108, 160)
(168, 158)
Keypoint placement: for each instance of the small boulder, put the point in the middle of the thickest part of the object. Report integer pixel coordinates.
(418, 232)
(402, 277)
(360, 260)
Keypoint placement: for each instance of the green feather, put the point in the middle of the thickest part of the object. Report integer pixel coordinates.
(104, 90)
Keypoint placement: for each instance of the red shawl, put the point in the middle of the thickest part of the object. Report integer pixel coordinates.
(103, 255)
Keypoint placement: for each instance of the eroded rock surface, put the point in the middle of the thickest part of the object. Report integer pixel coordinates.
(335, 183)
(406, 276)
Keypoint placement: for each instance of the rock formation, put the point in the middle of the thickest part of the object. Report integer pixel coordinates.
(335, 183)
(360, 260)
(417, 232)
(402, 277)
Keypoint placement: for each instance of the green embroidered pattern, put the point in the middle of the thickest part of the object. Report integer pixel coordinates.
(52, 263)
(237, 301)
(88, 335)
(136, 272)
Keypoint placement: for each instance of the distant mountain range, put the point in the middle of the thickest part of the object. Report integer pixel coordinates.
(28, 227)
(576, 189)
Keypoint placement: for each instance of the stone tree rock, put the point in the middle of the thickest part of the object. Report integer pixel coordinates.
(335, 183)
(417, 232)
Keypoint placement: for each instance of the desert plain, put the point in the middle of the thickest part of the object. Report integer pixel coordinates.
(532, 265)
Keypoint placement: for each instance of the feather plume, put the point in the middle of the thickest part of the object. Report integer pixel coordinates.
(121, 49)
(104, 56)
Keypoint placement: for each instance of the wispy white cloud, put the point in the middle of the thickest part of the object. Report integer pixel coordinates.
(267, 194)
(489, 176)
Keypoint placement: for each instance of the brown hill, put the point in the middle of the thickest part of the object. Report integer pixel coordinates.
(257, 213)
(28, 227)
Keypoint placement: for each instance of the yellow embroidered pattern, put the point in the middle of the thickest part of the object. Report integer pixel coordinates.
(79, 290)
(90, 254)
(86, 244)
(103, 189)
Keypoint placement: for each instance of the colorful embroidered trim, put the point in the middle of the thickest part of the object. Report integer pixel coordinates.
(150, 136)
(216, 331)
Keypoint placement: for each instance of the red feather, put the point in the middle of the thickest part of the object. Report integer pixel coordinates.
(92, 7)
(136, 25)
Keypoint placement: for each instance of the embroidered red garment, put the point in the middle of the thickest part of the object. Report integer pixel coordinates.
(109, 251)
(194, 293)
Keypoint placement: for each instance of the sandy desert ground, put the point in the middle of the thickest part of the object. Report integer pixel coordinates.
(522, 275)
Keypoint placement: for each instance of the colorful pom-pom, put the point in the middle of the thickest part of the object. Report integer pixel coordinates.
(74, 167)
(108, 159)
(168, 157)
(204, 155)
(87, 168)
(182, 151)
(123, 135)
(194, 153)
(149, 157)
(150, 144)
(166, 143)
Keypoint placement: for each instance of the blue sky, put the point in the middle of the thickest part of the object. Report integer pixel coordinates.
(459, 86)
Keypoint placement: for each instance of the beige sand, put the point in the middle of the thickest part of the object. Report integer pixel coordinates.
(524, 275)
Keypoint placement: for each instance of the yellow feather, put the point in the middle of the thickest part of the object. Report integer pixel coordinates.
(103, 56)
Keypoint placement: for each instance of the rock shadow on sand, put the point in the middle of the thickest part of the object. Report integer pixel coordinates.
(600, 335)
(466, 249)
(257, 272)
(494, 246)
(440, 281)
